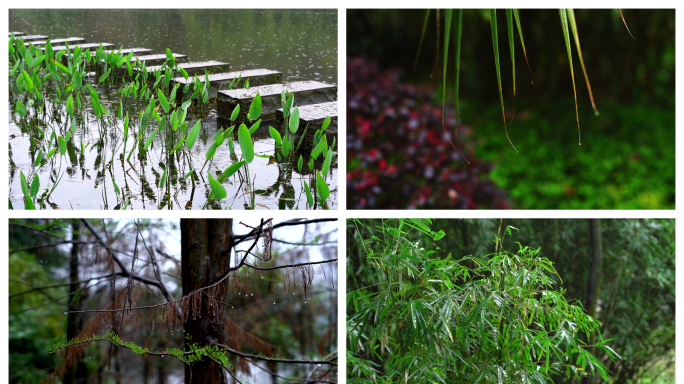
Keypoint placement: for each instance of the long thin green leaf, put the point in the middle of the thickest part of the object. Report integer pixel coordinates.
(511, 46)
(522, 41)
(495, 41)
(566, 35)
(422, 38)
(573, 25)
(448, 13)
(458, 23)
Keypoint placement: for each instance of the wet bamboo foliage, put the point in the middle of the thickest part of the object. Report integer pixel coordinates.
(428, 317)
(54, 93)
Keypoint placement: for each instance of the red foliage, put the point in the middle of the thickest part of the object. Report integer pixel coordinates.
(398, 155)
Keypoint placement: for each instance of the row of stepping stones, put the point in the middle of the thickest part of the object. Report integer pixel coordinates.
(315, 100)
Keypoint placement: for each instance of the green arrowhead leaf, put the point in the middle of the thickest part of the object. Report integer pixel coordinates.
(217, 188)
(322, 187)
(194, 133)
(246, 143)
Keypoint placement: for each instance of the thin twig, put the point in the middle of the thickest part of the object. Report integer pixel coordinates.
(273, 359)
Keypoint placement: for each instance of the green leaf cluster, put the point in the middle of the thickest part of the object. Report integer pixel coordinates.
(425, 317)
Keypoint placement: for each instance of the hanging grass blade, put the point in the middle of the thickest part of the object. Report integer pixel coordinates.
(511, 45)
(566, 35)
(495, 41)
(422, 38)
(458, 23)
(447, 28)
(522, 41)
(625, 22)
(573, 25)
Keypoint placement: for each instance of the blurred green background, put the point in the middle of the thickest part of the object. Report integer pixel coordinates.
(627, 156)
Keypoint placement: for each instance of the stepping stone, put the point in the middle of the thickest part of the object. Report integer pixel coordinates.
(312, 116)
(70, 40)
(196, 67)
(136, 51)
(306, 93)
(158, 59)
(152, 60)
(34, 37)
(222, 80)
(83, 46)
(16, 34)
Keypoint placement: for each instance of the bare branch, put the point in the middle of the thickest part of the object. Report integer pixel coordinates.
(49, 245)
(160, 276)
(55, 285)
(290, 243)
(124, 270)
(290, 265)
(240, 238)
(310, 380)
(277, 360)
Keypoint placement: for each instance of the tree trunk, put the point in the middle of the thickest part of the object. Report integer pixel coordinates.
(593, 280)
(78, 372)
(205, 256)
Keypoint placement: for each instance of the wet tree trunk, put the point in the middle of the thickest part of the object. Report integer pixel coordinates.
(593, 280)
(205, 256)
(78, 372)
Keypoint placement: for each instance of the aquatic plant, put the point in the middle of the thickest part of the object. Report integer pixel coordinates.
(138, 115)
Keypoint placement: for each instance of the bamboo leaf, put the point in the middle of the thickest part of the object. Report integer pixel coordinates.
(447, 32)
(573, 26)
(495, 41)
(566, 35)
(422, 37)
(457, 56)
(511, 45)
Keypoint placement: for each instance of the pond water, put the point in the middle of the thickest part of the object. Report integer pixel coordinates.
(302, 44)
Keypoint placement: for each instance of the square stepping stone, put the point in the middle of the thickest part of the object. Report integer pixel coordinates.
(311, 118)
(305, 93)
(222, 80)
